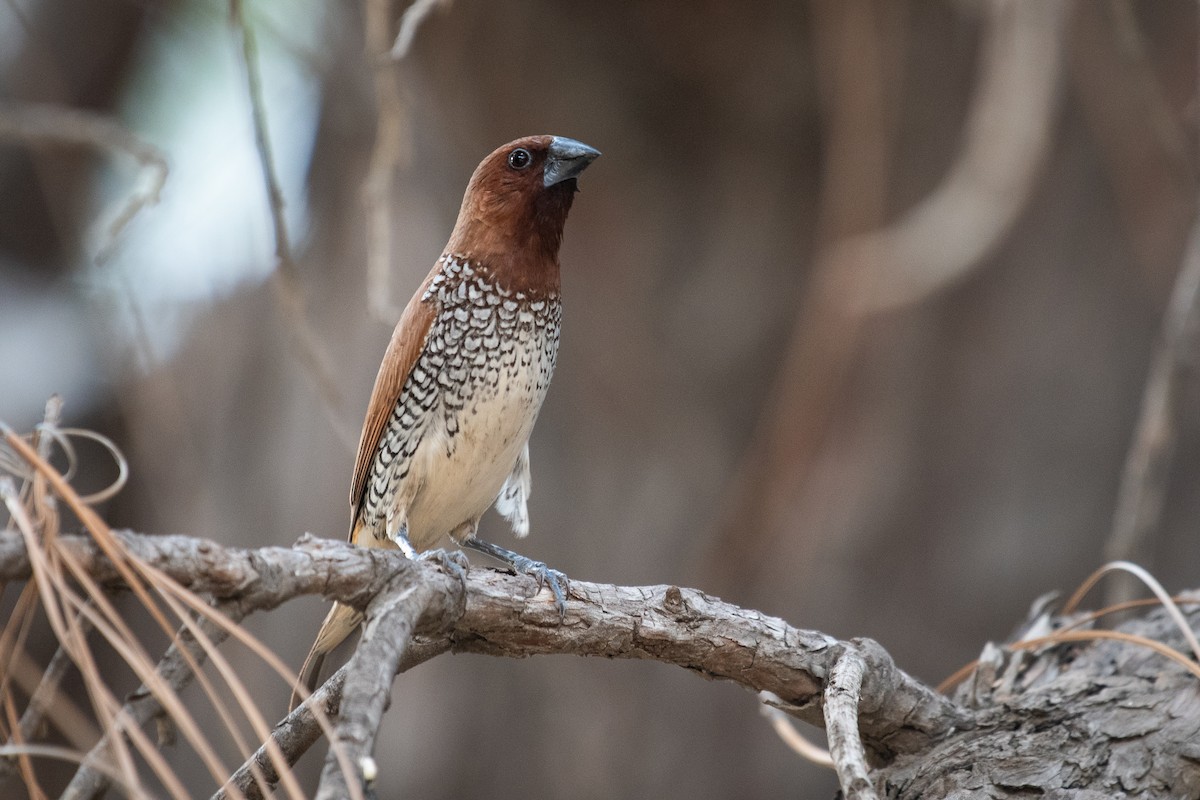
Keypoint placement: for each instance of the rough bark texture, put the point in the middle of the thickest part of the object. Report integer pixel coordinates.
(1096, 719)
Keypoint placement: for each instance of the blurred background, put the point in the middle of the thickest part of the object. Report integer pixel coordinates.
(861, 302)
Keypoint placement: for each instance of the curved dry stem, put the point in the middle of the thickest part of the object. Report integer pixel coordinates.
(142, 664)
(69, 755)
(782, 724)
(48, 582)
(1151, 583)
(108, 622)
(962, 672)
(1089, 636)
(122, 463)
(320, 718)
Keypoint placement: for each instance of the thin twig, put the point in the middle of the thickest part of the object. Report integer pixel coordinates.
(1147, 466)
(393, 143)
(43, 123)
(307, 345)
(414, 15)
(286, 265)
(392, 149)
(293, 735)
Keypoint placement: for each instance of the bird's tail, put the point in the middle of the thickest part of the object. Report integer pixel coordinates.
(339, 623)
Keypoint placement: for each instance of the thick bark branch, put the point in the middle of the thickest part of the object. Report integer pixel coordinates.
(1120, 716)
(684, 627)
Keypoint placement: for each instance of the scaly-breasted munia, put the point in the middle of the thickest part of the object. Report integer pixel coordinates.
(462, 381)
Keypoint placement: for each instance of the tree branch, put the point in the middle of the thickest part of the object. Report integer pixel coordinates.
(391, 621)
(1059, 697)
(842, 705)
(503, 616)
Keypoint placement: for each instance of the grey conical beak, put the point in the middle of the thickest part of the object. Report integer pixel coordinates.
(565, 159)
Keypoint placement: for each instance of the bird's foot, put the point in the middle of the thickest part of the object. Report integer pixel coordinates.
(452, 562)
(558, 582)
(546, 576)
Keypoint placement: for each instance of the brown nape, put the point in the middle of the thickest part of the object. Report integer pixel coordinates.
(510, 224)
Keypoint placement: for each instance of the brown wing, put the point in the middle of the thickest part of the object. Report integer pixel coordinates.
(407, 342)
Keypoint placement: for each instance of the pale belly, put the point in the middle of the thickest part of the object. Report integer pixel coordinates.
(459, 475)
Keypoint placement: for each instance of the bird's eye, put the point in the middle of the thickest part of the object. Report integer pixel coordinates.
(519, 158)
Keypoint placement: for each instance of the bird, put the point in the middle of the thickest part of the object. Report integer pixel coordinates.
(446, 434)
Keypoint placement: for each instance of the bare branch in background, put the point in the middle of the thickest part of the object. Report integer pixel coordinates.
(859, 48)
(393, 142)
(307, 344)
(938, 242)
(1008, 134)
(1142, 139)
(1153, 174)
(40, 124)
(393, 149)
(1148, 464)
(414, 15)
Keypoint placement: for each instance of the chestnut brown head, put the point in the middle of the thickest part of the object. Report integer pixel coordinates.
(516, 204)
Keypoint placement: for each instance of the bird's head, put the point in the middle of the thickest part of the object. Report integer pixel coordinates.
(513, 212)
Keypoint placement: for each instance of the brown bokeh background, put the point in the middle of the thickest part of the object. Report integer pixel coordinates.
(725, 414)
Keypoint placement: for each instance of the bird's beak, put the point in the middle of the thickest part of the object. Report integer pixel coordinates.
(565, 159)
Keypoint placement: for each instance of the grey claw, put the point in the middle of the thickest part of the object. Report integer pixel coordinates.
(453, 562)
(545, 576)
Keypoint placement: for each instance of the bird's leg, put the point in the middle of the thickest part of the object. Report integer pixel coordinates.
(452, 562)
(400, 537)
(545, 576)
